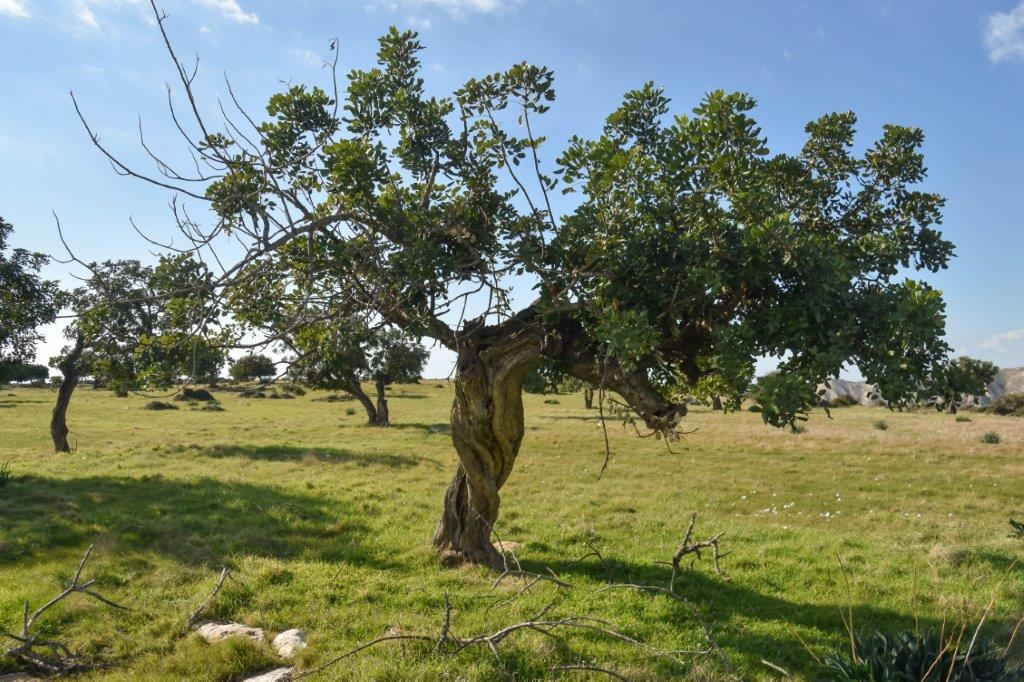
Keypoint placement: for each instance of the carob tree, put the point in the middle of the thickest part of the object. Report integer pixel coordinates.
(138, 327)
(341, 354)
(689, 250)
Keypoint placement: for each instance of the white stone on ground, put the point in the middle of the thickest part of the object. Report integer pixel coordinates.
(275, 675)
(215, 632)
(289, 642)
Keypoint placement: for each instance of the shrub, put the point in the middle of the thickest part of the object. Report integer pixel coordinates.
(253, 367)
(159, 405)
(334, 398)
(195, 395)
(252, 394)
(1010, 404)
(799, 428)
(918, 656)
(350, 411)
(211, 407)
(991, 438)
(843, 401)
(963, 418)
(552, 401)
(881, 424)
(5, 475)
(293, 389)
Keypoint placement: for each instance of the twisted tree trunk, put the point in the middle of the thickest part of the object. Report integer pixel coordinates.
(354, 389)
(383, 415)
(487, 430)
(69, 367)
(487, 419)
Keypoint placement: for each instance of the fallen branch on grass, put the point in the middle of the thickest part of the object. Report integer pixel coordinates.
(451, 644)
(59, 659)
(689, 547)
(200, 611)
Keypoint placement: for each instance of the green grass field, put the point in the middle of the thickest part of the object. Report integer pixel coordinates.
(327, 523)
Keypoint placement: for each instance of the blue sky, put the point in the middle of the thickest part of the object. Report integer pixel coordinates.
(952, 67)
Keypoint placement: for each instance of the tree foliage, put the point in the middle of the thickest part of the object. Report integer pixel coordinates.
(961, 379)
(146, 327)
(253, 367)
(22, 371)
(340, 355)
(27, 301)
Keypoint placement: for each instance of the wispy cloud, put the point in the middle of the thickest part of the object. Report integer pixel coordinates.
(455, 8)
(306, 56)
(85, 16)
(232, 10)
(13, 8)
(1003, 341)
(1004, 35)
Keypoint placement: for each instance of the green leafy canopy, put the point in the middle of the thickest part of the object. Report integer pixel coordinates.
(690, 250)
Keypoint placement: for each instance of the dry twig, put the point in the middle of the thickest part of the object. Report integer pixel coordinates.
(59, 660)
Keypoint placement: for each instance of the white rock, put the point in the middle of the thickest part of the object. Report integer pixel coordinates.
(289, 642)
(215, 632)
(275, 675)
(504, 546)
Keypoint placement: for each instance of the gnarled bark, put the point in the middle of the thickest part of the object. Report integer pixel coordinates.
(69, 367)
(487, 430)
(487, 419)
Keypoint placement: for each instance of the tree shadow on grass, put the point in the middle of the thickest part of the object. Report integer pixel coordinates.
(437, 428)
(195, 522)
(295, 453)
(729, 609)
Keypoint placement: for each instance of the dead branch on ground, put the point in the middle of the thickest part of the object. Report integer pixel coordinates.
(57, 658)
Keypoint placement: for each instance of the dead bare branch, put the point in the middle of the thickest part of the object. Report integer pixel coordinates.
(60, 659)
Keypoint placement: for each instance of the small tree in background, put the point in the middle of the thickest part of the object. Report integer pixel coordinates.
(137, 327)
(341, 355)
(961, 379)
(253, 367)
(394, 358)
(27, 301)
(12, 371)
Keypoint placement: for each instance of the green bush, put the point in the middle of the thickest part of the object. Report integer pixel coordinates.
(5, 475)
(843, 401)
(963, 418)
(195, 395)
(881, 424)
(551, 401)
(922, 656)
(991, 438)
(350, 411)
(159, 405)
(1010, 404)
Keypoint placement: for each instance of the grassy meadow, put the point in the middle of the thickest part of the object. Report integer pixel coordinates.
(326, 525)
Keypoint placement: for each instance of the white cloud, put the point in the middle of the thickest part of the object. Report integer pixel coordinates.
(1004, 35)
(85, 16)
(13, 8)
(232, 10)
(1002, 341)
(306, 56)
(455, 8)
